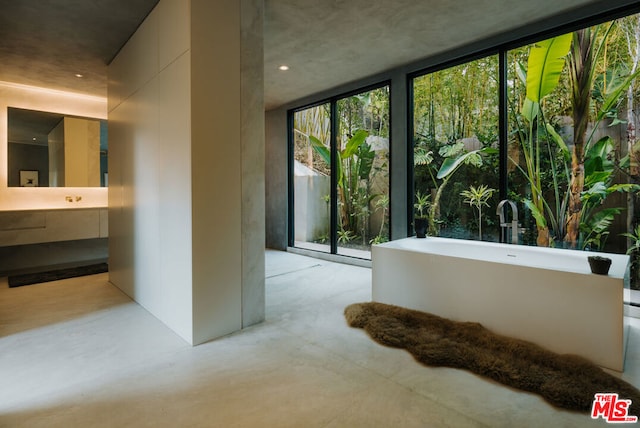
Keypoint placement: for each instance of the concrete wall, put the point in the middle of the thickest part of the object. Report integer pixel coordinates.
(277, 180)
(311, 214)
(185, 238)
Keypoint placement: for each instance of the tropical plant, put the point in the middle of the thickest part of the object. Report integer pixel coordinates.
(379, 239)
(354, 166)
(312, 121)
(635, 241)
(477, 197)
(587, 47)
(345, 236)
(634, 248)
(544, 66)
(421, 205)
(599, 182)
(456, 156)
(382, 203)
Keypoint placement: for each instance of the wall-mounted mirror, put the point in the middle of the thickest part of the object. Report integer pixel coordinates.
(55, 150)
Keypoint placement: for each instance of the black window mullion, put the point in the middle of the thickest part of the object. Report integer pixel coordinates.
(290, 178)
(334, 177)
(410, 155)
(503, 124)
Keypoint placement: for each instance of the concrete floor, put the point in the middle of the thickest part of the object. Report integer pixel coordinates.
(79, 353)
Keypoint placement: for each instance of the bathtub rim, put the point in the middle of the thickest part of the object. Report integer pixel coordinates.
(619, 266)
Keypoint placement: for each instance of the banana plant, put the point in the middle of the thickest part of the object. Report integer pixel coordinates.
(353, 169)
(544, 67)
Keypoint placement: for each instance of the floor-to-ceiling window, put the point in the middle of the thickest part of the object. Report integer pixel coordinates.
(570, 115)
(312, 177)
(362, 185)
(455, 118)
(549, 126)
(341, 173)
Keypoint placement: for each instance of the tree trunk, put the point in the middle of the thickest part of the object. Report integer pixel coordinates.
(581, 68)
(543, 236)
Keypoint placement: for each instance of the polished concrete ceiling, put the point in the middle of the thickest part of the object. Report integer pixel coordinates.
(324, 42)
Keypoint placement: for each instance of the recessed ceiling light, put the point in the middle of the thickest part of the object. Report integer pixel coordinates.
(79, 75)
(283, 67)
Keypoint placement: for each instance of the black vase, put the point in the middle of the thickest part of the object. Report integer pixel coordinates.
(420, 225)
(599, 265)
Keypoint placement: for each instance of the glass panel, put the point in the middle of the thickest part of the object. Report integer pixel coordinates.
(363, 176)
(573, 152)
(312, 177)
(456, 119)
(538, 162)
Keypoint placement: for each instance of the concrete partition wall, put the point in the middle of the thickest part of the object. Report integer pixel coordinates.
(186, 197)
(277, 180)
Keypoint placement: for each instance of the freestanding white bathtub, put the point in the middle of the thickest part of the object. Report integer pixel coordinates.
(542, 295)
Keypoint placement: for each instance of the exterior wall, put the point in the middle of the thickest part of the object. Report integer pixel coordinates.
(311, 212)
(178, 210)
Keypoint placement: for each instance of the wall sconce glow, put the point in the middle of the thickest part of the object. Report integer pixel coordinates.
(283, 67)
(79, 76)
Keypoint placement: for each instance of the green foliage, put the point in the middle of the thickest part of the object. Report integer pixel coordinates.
(544, 66)
(595, 229)
(381, 204)
(450, 165)
(546, 61)
(379, 239)
(357, 164)
(345, 236)
(447, 169)
(635, 240)
(455, 111)
(422, 157)
(421, 205)
(477, 197)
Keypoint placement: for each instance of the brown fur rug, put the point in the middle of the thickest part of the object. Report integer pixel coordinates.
(565, 381)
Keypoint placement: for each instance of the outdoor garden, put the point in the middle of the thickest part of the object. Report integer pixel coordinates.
(570, 163)
(362, 170)
(572, 155)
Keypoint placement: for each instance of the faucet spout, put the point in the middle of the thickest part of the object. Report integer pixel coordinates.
(500, 211)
